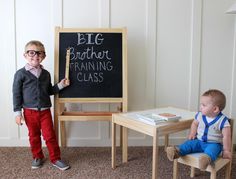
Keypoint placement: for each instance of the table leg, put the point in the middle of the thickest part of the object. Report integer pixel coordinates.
(155, 156)
(121, 137)
(113, 148)
(166, 141)
(125, 145)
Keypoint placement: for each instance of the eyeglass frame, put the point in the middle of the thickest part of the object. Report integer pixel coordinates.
(39, 53)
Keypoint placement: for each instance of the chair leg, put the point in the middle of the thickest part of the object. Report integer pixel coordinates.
(175, 169)
(213, 174)
(192, 172)
(228, 171)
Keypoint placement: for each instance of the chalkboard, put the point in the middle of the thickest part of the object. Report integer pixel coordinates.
(96, 63)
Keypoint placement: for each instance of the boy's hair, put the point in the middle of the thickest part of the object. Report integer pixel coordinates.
(218, 98)
(36, 43)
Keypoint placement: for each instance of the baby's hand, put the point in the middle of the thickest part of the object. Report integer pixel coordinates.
(191, 136)
(227, 155)
(65, 82)
(19, 120)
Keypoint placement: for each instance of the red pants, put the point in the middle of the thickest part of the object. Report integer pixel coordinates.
(36, 122)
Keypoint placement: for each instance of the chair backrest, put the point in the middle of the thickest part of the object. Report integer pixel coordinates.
(231, 121)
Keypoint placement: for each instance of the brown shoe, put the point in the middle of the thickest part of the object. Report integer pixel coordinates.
(172, 153)
(204, 161)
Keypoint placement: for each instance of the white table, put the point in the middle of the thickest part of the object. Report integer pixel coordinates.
(130, 121)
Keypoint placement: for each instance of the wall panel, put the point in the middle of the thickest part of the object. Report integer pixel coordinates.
(173, 52)
(8, 129)
(81, 13)
(176, 50)
(215, 28)
(141, 57)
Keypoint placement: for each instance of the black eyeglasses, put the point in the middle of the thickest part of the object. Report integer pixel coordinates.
(32, 53)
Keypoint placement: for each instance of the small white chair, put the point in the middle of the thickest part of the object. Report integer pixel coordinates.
(192, 161)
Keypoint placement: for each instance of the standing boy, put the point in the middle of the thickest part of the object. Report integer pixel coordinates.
(31, 92)
(210, 131)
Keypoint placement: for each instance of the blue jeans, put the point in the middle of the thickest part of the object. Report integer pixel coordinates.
(213, 150)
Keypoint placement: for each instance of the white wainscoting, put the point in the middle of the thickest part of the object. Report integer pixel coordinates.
(176, 51)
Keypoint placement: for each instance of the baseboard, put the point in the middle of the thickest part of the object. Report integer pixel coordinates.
(76, 142)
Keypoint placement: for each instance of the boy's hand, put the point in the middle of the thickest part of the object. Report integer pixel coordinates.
(227, 154)
(65, 82)
(19, 120)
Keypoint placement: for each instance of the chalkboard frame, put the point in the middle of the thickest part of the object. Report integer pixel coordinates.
(61, 115)
(123, 31)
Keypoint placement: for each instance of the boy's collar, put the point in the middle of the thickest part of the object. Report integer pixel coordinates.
(29, 67)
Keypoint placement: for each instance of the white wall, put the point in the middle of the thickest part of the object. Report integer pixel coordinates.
(176, 51)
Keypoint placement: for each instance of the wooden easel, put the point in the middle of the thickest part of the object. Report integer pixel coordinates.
(61, 115)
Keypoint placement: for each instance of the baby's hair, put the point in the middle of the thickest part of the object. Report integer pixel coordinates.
(36, 43)
(218, 98)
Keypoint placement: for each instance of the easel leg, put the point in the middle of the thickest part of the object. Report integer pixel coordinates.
(113, 147)
(55, 125)
(63, 133)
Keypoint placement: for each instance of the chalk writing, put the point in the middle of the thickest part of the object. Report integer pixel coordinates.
(90, 69)
(87, 39)
(88, 54)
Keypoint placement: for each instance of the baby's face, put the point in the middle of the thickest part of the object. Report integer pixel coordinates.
(207, 107)
(34, 55)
